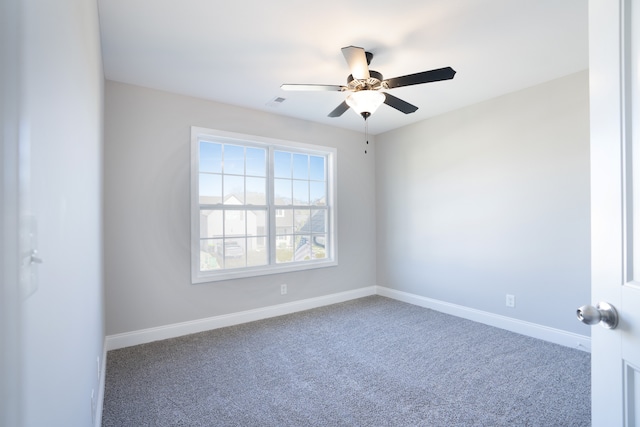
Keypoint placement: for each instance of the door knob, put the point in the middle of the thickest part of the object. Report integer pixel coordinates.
(603, 313)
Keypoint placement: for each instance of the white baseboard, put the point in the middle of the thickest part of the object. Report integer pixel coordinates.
(557, 336)
(128, 339)
(534, 330)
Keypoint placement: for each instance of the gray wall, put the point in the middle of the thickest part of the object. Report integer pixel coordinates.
(146, 162)
(62, 331)
(489, 200)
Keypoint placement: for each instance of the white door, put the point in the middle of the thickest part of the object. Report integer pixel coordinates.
(614, 27)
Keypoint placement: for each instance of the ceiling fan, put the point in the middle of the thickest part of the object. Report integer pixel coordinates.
(365, 85)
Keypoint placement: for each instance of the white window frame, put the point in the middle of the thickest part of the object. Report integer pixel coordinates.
(271, 144)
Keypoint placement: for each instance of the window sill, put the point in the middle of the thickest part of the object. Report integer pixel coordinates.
(220, 275)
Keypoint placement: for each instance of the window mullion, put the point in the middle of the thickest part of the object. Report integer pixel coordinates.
(271, 232)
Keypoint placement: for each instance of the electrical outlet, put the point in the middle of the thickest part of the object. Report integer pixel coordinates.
(283, 289)
(511, 300)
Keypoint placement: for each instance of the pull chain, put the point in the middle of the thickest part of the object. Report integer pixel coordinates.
(366, 133)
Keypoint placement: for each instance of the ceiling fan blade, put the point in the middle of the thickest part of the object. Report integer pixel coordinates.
(399, 104)
(319, 88)
(340, 109)
(357, 60)
(436, 75)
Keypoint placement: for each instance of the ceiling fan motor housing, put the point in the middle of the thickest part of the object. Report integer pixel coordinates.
(374, 82)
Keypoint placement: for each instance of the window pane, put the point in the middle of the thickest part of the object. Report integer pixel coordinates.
(303, 248)
(319, 221)
(210, 189)
(317, 172)
(233, 190)
(282, 164)
(210, 157)
(233, 159)
(300, 166)
(256, 161)
(209, 255)
(318, 243)
(282, 192)
(256, 223)
(318, 193)
(234, 223)
(300, 192)
(257, 253)
(211, 224)
(234, 253)
(256, 191)
(284, 248)
(284, 221)
(301, 220)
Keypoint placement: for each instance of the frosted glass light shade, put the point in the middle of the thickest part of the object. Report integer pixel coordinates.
(365, 102)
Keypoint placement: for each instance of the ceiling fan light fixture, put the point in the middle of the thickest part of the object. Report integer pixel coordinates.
(365, 102)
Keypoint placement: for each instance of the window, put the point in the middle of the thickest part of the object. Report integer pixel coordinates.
(259, 206)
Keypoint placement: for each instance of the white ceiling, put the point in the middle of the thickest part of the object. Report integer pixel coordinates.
(240, 52)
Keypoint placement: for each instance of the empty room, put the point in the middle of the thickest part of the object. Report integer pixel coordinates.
(338, 214)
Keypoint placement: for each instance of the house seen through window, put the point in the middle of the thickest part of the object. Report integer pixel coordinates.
(259, 206)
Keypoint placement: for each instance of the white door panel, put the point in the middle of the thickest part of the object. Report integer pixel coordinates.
(615, 212)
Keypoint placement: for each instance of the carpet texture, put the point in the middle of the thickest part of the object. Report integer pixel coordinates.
(368, 362)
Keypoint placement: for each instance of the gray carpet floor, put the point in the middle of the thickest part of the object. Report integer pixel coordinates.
(368, 362)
